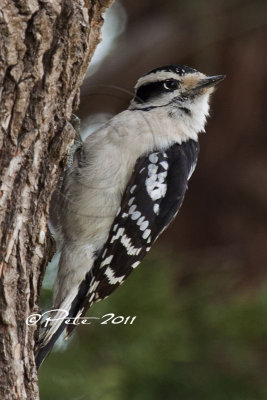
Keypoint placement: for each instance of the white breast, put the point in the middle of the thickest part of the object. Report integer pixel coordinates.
(94, 195)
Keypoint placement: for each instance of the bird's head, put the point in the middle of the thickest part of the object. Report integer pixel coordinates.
(180, 90)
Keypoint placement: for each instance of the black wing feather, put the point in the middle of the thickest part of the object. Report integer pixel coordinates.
(157, 203)
(115, 262)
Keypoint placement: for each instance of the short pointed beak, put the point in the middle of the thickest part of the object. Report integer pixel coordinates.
(210, 81)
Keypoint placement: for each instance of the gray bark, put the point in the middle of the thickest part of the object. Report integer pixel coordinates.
(45, 48)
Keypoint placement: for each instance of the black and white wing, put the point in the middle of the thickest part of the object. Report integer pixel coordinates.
(151, 200)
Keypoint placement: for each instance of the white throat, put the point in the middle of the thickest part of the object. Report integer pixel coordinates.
(199, 108)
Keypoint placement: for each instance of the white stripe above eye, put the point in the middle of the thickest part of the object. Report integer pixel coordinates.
(156, 77)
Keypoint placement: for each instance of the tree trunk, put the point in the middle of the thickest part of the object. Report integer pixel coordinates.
(45, 48)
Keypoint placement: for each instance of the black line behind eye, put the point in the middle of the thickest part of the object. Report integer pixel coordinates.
(171, 84)
(152, 90)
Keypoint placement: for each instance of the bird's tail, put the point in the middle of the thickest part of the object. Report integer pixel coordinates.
(69, 296)
(74, 306)
(53, 325)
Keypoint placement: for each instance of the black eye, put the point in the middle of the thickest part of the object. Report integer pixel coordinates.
(171, 84)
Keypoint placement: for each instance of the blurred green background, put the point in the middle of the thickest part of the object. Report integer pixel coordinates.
(200, 296)
(193, 338)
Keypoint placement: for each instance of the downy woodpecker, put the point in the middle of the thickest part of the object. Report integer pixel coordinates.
(125, 185)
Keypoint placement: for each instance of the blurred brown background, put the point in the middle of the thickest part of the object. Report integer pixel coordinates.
(224, 216)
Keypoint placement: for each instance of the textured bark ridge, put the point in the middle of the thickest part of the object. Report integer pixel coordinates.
(45, 48)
